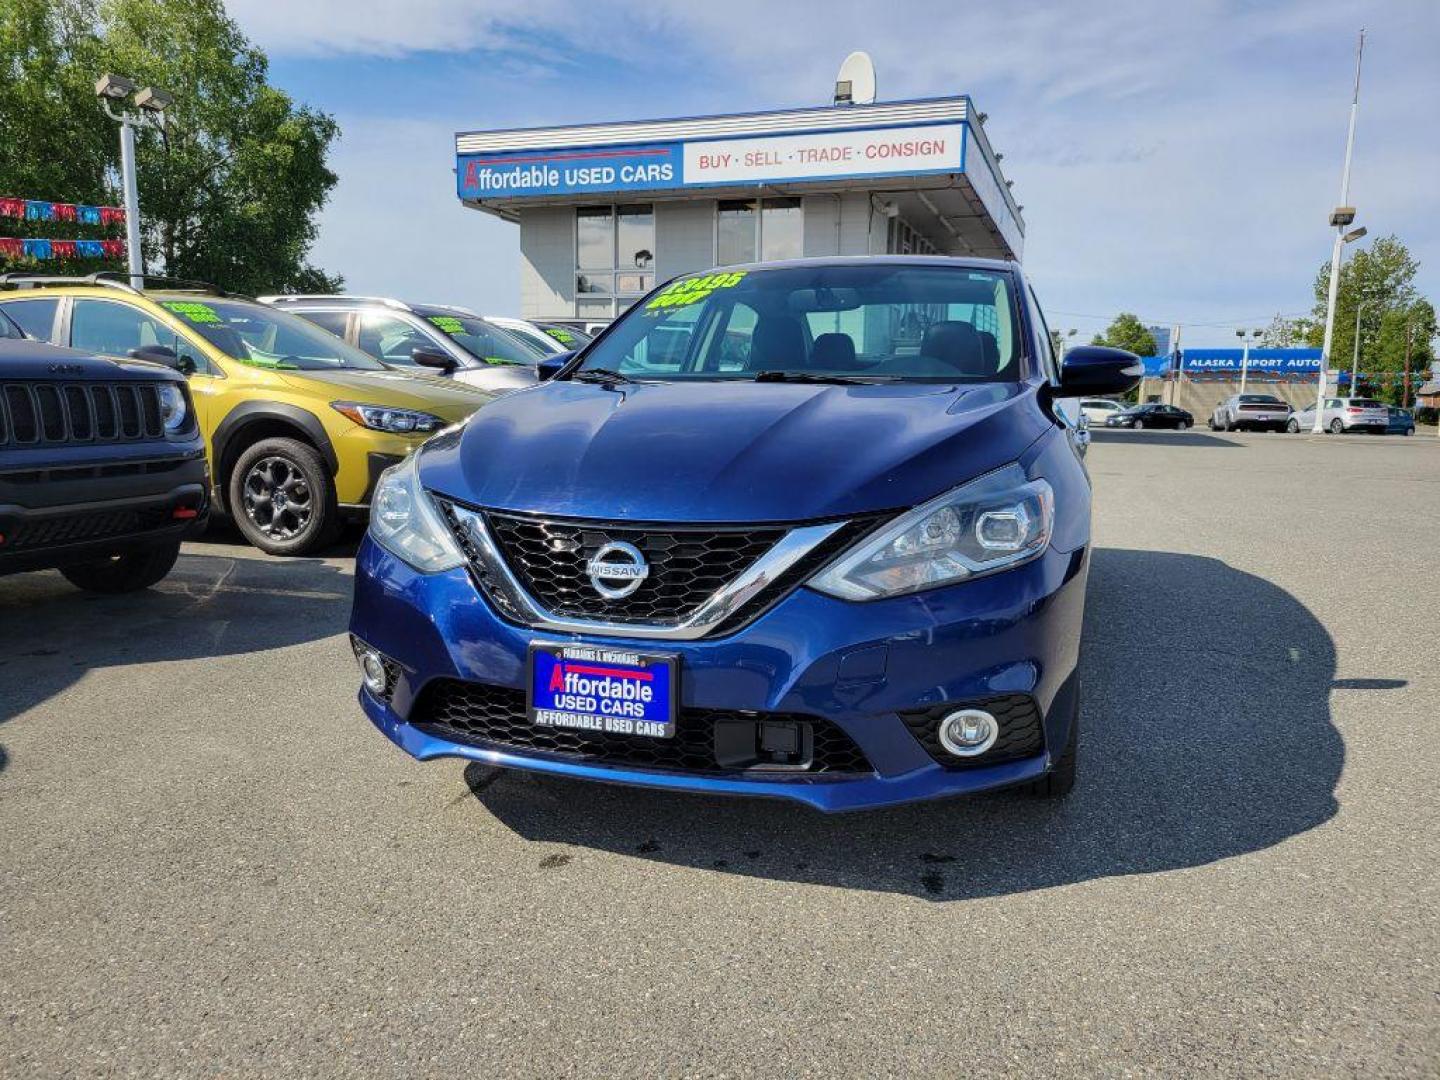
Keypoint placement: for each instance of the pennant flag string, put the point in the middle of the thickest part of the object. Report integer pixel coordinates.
(15, 247)
(40, 210)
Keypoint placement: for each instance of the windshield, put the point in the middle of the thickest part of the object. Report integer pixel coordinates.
(259, 335)
(485, 341)
(866, 322)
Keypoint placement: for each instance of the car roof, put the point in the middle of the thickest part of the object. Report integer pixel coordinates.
(951, 262)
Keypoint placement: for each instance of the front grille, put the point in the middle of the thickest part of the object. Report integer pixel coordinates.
(47, 412)
(79, 528)
(687, 566)
(1021, 734)
(495, 717)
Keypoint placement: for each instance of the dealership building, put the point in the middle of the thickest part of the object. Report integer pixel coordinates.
(608, 210)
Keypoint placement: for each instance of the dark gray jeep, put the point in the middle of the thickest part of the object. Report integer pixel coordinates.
(102, 465)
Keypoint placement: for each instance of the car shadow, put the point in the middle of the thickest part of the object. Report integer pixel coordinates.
(1163, 438)
(212, 604)
(1203, 738)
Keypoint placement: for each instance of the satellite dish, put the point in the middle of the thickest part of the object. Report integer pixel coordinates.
(855, 85)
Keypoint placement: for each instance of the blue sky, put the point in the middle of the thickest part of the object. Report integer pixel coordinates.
(1177, 160)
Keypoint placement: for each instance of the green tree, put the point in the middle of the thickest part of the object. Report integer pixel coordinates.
(1283, 333)
(1129, 333)
(1378, 283)
(228, 192)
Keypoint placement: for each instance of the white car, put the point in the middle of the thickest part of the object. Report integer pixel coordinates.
(550, 337)
(1344, 414)
(1098, 410)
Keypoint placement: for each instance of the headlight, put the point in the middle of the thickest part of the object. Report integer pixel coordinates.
(173, 409)
(405, 522)
(995, 522)
(384, 418)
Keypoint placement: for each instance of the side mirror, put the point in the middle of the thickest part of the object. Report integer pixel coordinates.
(163, 354)
(550, 366)
(433, 358)
(1098, 370)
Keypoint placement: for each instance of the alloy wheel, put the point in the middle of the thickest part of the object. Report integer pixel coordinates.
(278, 499)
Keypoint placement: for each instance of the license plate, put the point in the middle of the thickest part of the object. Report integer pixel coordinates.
(603, 689)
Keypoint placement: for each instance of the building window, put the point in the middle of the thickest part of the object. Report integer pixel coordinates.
(614, 258)
(747, 229)
(903, 240)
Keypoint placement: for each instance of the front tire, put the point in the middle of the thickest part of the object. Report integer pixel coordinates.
(1184, 424)
(1293, 427)
(124, 573)
(1409, 431)
(282, 497)
(1138, 424)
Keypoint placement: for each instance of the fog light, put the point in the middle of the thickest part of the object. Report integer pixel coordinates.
(968, 732)
(372, 670)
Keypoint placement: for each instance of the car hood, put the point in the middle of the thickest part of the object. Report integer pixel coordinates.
(717, 451)
(36, 360)
(445, 398)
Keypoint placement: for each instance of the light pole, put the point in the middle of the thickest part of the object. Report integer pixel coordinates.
(1355, 361)
(1064, 339)
(1245, 355)
(151, 103)
(1342, 216)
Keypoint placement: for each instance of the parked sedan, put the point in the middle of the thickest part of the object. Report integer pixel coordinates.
(1402, 422)
(1257, 412)
(1344, 414)
(1151, 415)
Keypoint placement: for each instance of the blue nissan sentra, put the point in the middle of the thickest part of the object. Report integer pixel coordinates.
(814, 530)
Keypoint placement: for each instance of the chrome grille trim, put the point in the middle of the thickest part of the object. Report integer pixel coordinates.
(513, 599)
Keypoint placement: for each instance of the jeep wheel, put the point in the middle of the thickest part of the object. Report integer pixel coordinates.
(283, 498)
(123, 573)
(1060, 780)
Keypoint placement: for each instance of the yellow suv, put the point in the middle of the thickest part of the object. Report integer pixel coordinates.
(298, 424)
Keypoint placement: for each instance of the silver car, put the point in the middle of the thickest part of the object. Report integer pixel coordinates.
(1344, 414)
(1256, 412)
(414, 337)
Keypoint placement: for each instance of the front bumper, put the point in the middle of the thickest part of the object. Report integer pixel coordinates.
(859, 666)
(68, 513)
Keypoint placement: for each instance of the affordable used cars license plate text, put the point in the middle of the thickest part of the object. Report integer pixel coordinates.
(603, 689)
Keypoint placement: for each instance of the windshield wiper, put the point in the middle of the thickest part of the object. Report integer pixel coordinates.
(818, 377)
(605, 376)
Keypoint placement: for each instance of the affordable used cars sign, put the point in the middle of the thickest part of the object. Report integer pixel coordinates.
(926, 148)
(568, 172)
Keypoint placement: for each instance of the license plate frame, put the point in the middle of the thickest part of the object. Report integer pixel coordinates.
(594, 666)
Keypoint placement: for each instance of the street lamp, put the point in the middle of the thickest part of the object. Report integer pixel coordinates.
(1245, 356)
(1340, 218)
(1355, 362)
(151, 103)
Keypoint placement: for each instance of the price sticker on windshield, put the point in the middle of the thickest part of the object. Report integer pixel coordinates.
(448, 324)
(193, 312)
(688, 291)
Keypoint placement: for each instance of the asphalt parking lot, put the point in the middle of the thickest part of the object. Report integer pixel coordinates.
(212, 865)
